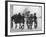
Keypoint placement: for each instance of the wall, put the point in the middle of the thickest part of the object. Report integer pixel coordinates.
(2, 19)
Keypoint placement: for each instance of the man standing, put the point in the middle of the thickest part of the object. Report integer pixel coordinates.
(35, 20)
(30, 21)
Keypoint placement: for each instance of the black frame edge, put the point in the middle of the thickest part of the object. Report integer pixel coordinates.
(6, 31)
(27, 2)
(44, 18)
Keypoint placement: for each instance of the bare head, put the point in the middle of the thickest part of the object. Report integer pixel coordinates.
(31, 14)
(34, 13)
(19, 13)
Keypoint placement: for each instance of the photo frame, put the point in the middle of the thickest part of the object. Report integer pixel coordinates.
(27, 8)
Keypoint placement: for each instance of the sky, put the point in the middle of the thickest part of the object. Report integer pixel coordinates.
(32, 9)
